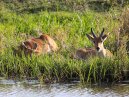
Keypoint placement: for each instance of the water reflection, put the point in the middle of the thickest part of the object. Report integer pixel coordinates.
(32, 88)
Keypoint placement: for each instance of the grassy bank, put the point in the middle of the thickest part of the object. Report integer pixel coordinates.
(69, 30)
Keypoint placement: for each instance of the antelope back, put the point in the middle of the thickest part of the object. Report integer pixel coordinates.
(41, 45)
(84, 53)
(49, 41)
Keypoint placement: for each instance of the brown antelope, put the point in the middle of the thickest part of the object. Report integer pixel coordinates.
(98, 49)
(41, 45)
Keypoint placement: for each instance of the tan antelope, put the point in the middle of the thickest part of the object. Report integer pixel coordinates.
(41, 45)
(98, 49)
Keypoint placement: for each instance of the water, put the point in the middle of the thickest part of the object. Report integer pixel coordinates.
(32, 88)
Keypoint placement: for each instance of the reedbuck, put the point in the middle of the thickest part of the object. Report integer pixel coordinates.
(41, 45)
(98, 49)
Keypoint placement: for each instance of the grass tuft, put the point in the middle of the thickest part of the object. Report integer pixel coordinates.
(68, 29)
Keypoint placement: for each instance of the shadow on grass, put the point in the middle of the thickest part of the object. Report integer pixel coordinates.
(99, 6)
(37, 6)
(38, 9)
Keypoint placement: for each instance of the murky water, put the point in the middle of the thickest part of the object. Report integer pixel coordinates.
(32, 88)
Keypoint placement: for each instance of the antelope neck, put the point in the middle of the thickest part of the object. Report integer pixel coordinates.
(102, 53)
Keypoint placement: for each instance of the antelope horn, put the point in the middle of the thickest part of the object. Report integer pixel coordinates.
(102, 33)
(93, 33)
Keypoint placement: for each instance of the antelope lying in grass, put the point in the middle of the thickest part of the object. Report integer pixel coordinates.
(98, 49)
(41, 45)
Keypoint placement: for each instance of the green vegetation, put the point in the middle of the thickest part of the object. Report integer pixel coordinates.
(68, 28)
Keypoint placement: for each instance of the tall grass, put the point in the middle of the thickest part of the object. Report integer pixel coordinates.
(68, 29)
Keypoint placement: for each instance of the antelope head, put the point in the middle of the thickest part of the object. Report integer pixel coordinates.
(98, 40)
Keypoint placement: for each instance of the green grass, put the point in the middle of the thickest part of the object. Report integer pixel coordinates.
(69, 30)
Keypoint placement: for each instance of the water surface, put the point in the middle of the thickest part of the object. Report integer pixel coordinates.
(32, 88)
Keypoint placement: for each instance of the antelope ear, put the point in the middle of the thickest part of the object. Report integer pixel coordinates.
(90, 37)
(104, 37)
